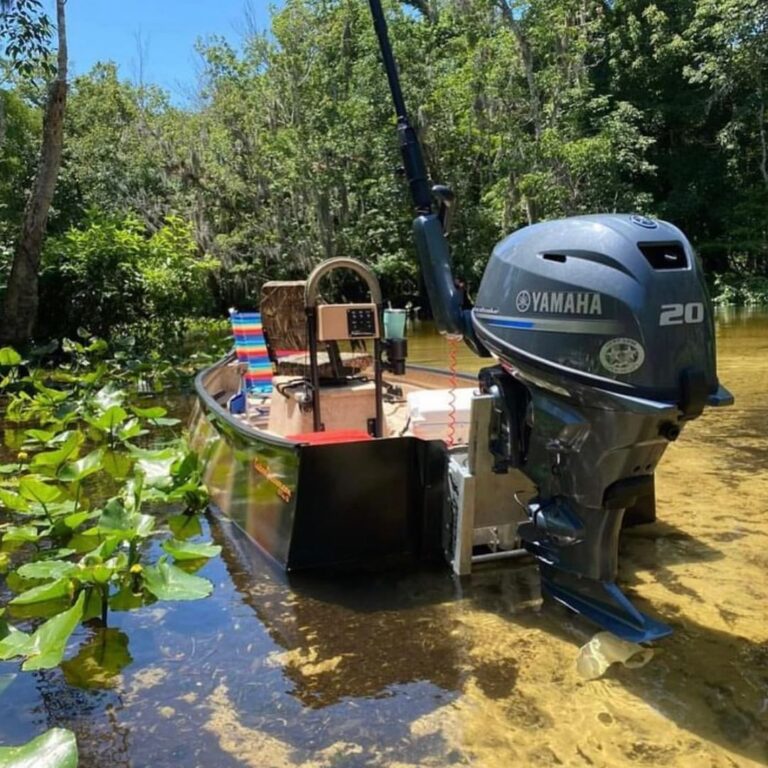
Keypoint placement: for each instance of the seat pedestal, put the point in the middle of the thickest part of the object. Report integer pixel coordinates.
(349, 406)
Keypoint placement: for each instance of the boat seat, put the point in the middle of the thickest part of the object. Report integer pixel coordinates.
(252, 353)
(284, 320)
(331, 436)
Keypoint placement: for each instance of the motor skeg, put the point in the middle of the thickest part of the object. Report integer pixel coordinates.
(614, 301)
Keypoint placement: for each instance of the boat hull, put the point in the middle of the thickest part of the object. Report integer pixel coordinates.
(366, 503)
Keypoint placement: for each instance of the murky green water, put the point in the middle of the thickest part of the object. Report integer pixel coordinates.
(417, 670)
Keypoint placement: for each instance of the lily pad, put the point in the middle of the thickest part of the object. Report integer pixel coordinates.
(108, 397)
(68, 450)
(117, 464)
(79, 470)
(157, 472)
(35, 489)
(117, 520)
(188, 550)
(156, 412)
(13, 501)
(112, 418)
(167, 582)
(9, 356)
(185, 526)
(168, 421)
(40, 435)
(45, 647)
(20, 534)
(41, 594)
(47, 569)
(56, 748)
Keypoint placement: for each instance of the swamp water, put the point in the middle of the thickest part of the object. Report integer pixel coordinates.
(418, 670)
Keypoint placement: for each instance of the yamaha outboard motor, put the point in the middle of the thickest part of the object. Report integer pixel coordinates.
(603, 329)
(604, 337)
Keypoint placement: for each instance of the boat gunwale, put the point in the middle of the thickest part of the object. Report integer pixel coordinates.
(250, 432)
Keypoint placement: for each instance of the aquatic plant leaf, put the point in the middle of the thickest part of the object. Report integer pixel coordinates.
(126, 600)
(77, 518)
(117, 465)
(130, 429)
(112, 418)
(188, 550)
(47, 644)
(13, 501)
(80, 469)
(121, 522)
(55, 508)
(53, 395)
(8, 469)
(185, 526)
(9, 356)
(102, 552)
(56, 458)
(35, 489)
(186, 467)
(41, 594)
(109, 396)
(167, 582)
(92, 608)
(102, 658)
(13, 644)
(40, 435)
(156, 412)
(20, 534)
(46, 569)
(157, 472)
(151, 453)
(166, 421)
(56, 748)
(5, 561)
(115, 517)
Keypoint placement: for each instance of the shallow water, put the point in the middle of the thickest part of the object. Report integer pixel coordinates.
(418, 670)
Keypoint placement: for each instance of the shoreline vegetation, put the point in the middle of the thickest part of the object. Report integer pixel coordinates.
(285, 154)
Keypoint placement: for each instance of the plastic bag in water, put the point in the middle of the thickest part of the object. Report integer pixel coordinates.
(605, 649)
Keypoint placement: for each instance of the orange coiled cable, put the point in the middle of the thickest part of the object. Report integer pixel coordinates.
(453, 350)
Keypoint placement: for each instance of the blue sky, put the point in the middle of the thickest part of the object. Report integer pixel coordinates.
(101, 30)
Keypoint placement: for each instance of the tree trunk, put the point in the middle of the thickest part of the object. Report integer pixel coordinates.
(20, 309)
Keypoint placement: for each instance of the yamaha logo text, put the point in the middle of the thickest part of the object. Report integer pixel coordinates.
(559, 302)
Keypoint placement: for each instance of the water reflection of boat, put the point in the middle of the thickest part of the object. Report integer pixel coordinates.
(361, 638)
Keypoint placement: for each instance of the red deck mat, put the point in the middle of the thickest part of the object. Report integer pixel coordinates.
(331, 436)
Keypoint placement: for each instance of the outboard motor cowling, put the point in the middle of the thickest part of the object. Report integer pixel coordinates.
(611, 301)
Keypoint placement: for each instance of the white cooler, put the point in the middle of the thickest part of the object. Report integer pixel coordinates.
(428, 411)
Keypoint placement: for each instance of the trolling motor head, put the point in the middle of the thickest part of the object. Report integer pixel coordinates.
(603, 327)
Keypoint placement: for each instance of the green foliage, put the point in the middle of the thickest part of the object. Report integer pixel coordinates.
(111, 274)
(738, 289)
(25, 32)
(72, 554)
(529, 110)
(56, 748)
